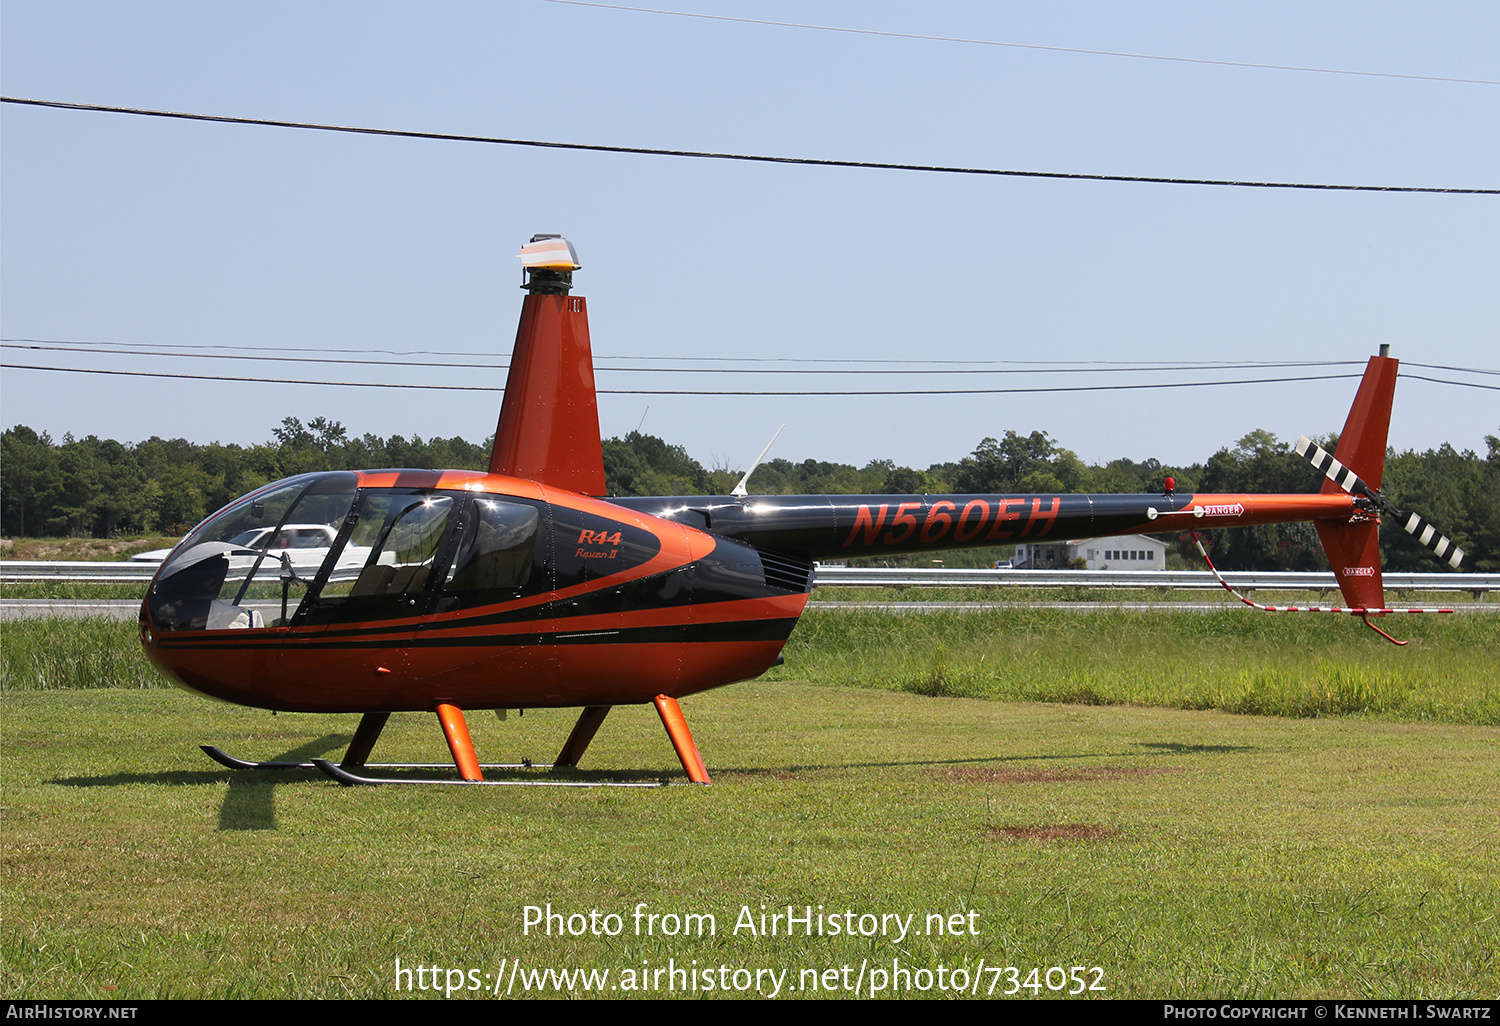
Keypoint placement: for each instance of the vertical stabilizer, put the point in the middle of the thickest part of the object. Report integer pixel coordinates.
(1353, 548)
(1362, 445)
(549, 421)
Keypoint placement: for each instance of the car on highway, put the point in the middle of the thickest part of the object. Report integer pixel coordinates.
(306, 544)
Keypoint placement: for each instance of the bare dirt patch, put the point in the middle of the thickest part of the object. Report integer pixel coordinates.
(987, 775)
(1054, 832)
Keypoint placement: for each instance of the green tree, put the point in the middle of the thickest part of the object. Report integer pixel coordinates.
(646, 465)
(28, 480)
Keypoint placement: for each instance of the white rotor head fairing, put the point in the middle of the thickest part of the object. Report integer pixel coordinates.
(554, 253)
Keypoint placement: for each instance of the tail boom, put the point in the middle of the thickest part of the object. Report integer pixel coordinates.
(834, 526)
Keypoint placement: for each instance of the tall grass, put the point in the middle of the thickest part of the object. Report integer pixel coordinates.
(50, 653)
(1238, 661)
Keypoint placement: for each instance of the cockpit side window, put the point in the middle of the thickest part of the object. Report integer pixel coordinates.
(385, 567)
(402, 560)
(496, 559)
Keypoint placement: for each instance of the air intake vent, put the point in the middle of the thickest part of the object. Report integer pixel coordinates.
(787, 570)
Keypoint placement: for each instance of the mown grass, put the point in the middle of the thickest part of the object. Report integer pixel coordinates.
(1188, 854)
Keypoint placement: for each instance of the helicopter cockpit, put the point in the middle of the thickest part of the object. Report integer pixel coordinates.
(389, 553)
(331, 548)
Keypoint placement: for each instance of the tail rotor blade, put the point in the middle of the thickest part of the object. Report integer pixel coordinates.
(1331, 468)
(1429, 536)
(1414, 524)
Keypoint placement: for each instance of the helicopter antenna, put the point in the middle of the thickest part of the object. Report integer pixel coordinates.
(739, 490)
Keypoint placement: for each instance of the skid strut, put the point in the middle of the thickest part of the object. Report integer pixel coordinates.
(459, 743)
(368, 732)
(583, 732)
(682, 738)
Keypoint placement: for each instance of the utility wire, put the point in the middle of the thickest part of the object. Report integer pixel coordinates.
(965, 366)
(1025, 46)
(721, 392)
(698, 359)
(66, 348)
(709, 392)
(756, 158)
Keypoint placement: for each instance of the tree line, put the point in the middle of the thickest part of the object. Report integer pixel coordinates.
(104, 488)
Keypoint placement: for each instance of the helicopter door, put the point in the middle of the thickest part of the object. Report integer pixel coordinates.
(365, 606)
(483, 642)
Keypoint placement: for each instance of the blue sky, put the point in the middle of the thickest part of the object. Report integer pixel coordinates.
(151, 232)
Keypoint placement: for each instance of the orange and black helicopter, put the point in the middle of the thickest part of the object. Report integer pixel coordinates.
(525, 587)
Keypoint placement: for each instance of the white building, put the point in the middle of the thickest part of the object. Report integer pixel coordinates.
(1126, 552)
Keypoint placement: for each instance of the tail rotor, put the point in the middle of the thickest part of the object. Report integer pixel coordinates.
(1413, 524)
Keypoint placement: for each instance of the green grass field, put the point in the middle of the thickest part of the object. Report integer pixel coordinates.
(1185, 852)
(1238, 660)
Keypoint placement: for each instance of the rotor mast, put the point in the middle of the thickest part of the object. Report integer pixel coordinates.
(549, 421)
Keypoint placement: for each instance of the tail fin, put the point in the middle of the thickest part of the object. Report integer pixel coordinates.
(1353, 547)
(549, 421)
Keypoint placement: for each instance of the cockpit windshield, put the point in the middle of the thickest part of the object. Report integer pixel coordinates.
(240, 567)
(317, 550)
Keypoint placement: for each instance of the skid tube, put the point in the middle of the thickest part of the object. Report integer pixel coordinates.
(223, 758)
(349, 779)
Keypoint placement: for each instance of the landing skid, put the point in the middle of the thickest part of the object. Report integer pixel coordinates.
(223, 758)
(466, 762)
(348, 779)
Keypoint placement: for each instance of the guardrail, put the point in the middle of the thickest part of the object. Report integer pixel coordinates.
(22, 570)
(1193, 580)
(18, 571)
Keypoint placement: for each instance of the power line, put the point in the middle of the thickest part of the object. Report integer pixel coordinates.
(78, 348)
(1444, 381)
(1466, 370)
(1026, 46)
(696, 359)
(755, 158)
(710, 392)
(960, 366)
(743, 392)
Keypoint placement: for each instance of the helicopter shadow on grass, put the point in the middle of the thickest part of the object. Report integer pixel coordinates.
(1161, 748)
(250, 801)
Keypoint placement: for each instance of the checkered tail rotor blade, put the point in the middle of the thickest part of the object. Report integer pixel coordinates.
(1422, 531)
(1413, 523)
(1332, 469)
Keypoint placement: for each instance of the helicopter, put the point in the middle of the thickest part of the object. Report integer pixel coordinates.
(525, 586)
